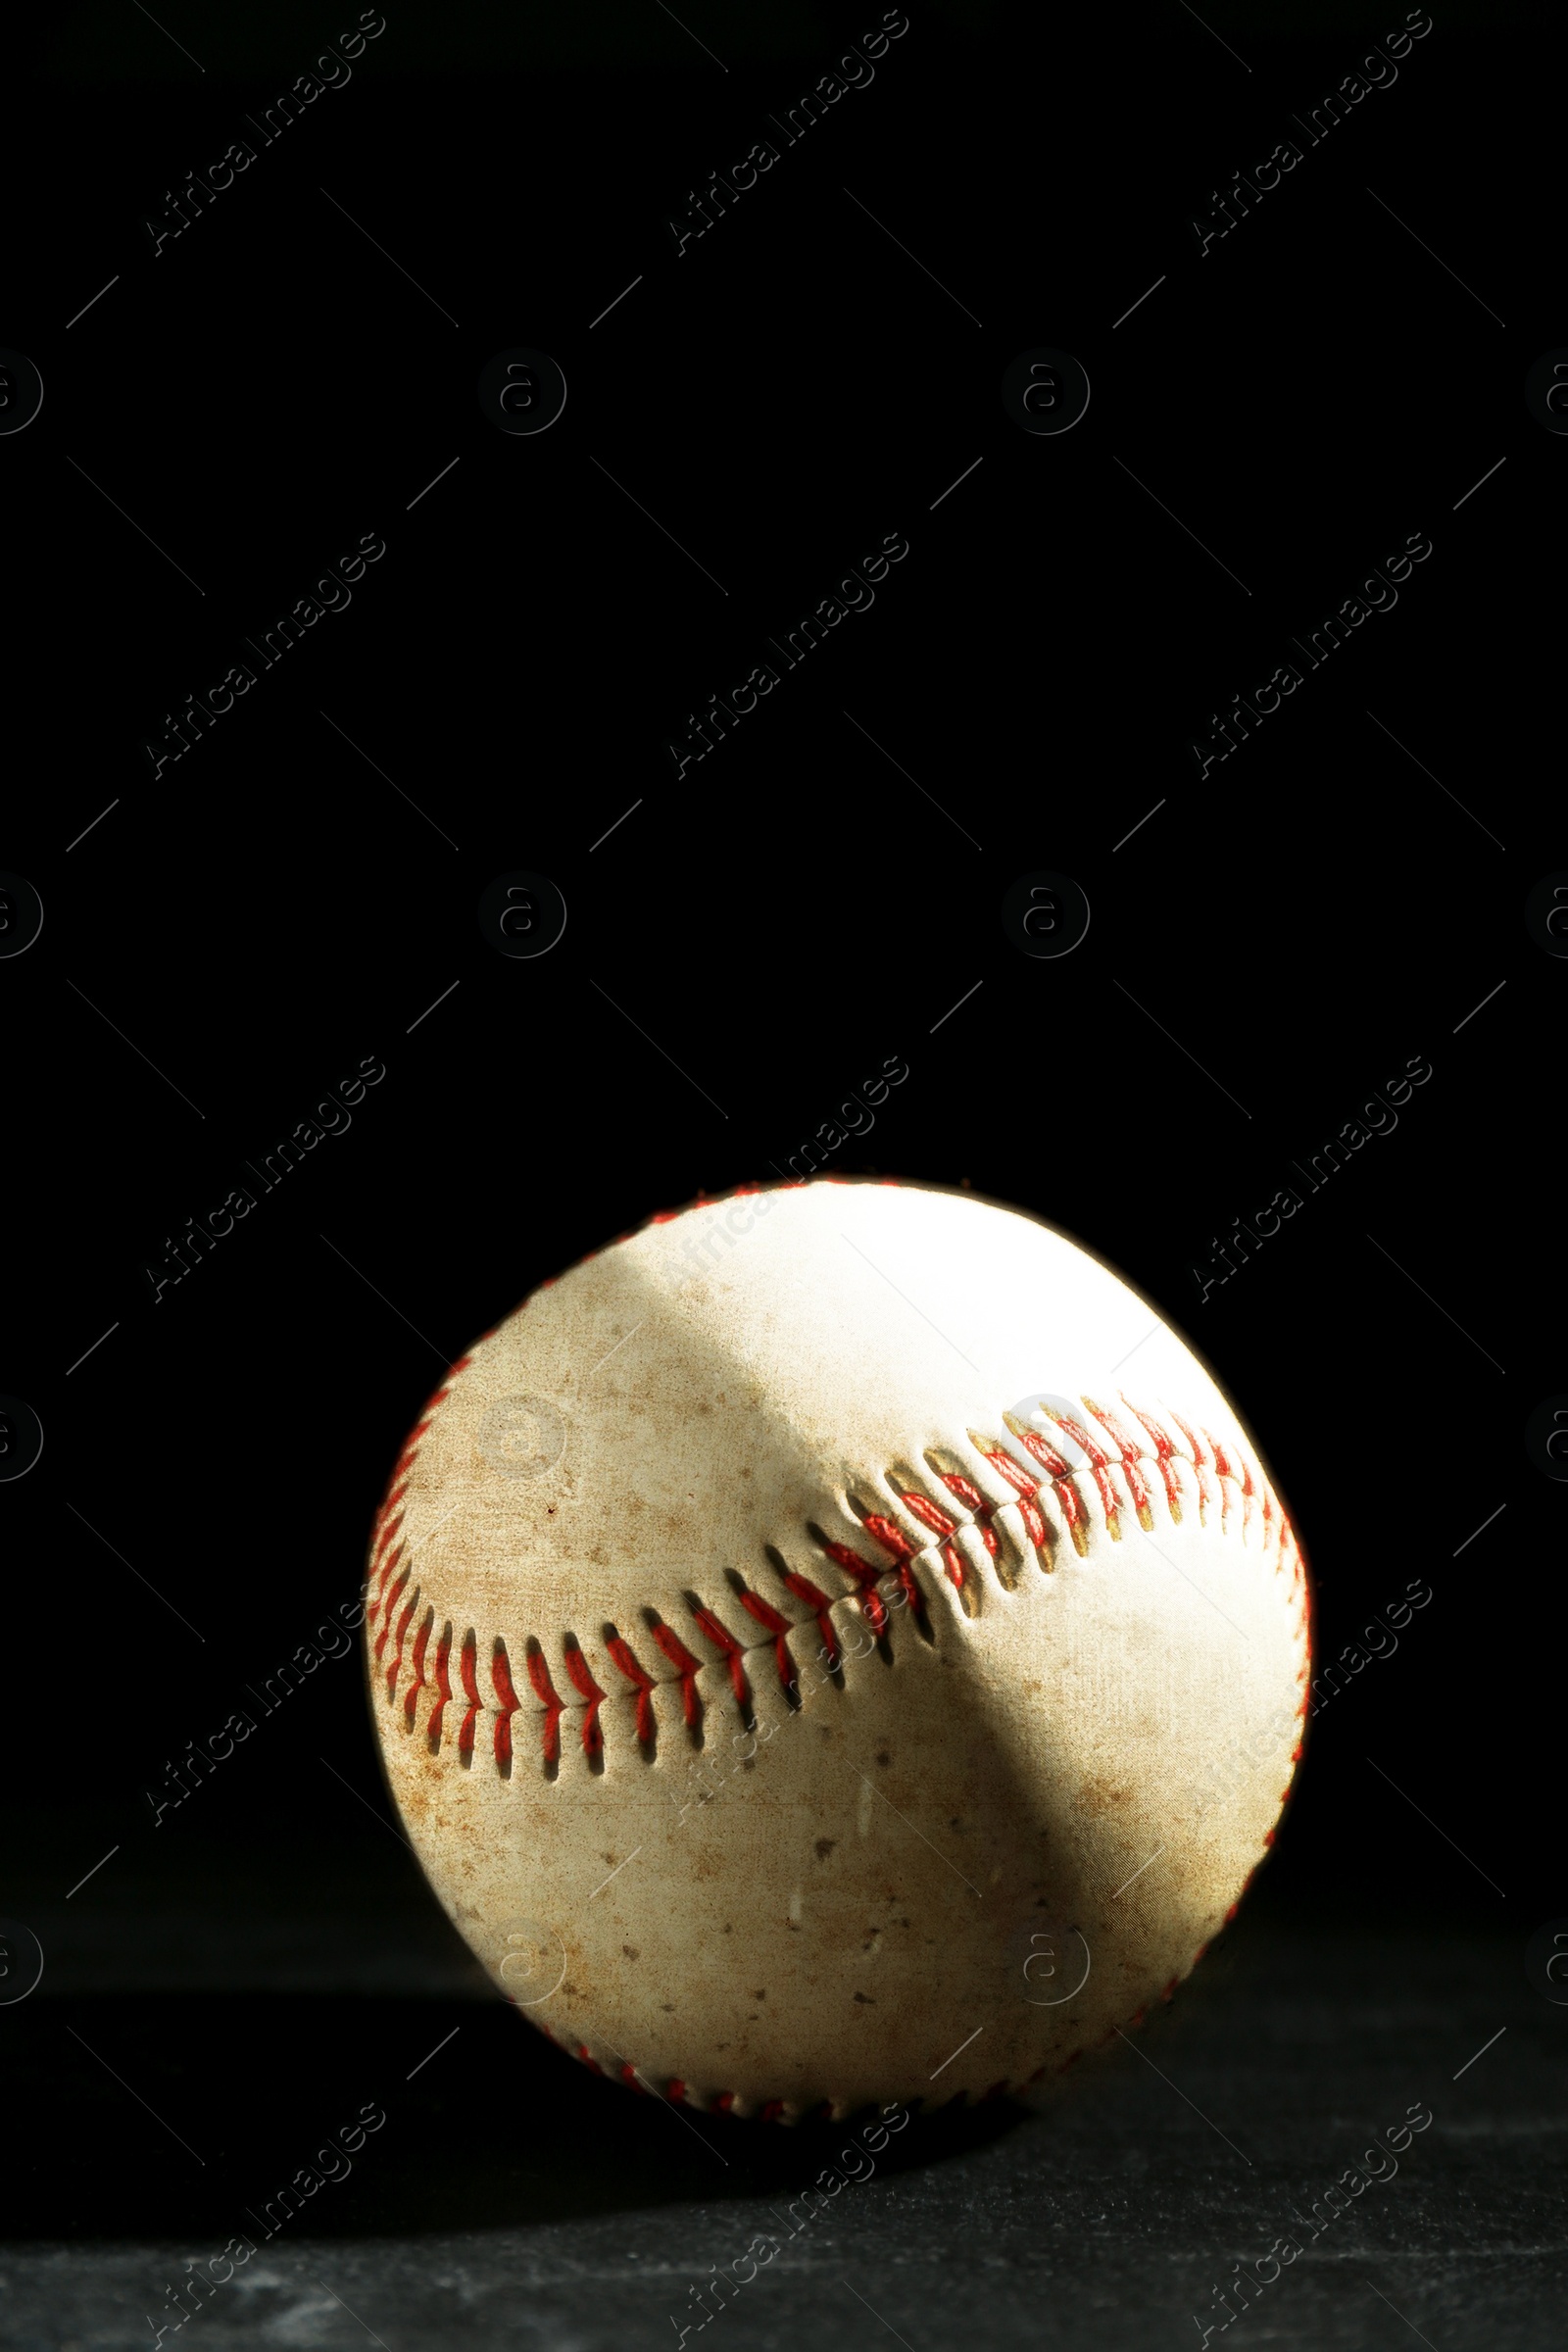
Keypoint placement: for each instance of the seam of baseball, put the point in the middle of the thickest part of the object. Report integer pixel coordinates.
(1126, 1459)
(1114, 1458)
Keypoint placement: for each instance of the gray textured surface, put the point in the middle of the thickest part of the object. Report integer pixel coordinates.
(509, 2196)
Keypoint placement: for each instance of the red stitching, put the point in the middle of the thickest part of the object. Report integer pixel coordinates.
(779, 1627)
(975, 1503)
(416, 1666)
(403, 1464)
(1127, 1448)
(688, 1667)
(409, 1608)
(1026, 1488)
(593, 1738)
(727, 1645)
(384, 1527)
(621, 1653)
(443, 1684)
(466, 1663)
(391, 1569)
(390, 1562)
(1223, 1460)
(553, 1706)
(818, 1602)
(932, 1515)
(1054, 1463)
(393, 1594)
(448, 1377)
(1200, 1464)
(892, 1539)
(387, 1532)
(899, 1550)
(1165, 1455)
(876, 1616)
(1194, 1441)
(1098, 1461)
(1061, 1485)
(501, 1676)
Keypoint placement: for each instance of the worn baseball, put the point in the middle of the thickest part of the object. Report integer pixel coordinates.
(836, 1645)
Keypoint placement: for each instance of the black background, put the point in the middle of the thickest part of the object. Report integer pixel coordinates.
(751, 941)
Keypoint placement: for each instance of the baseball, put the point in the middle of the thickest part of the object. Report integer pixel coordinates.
(836, 1645)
